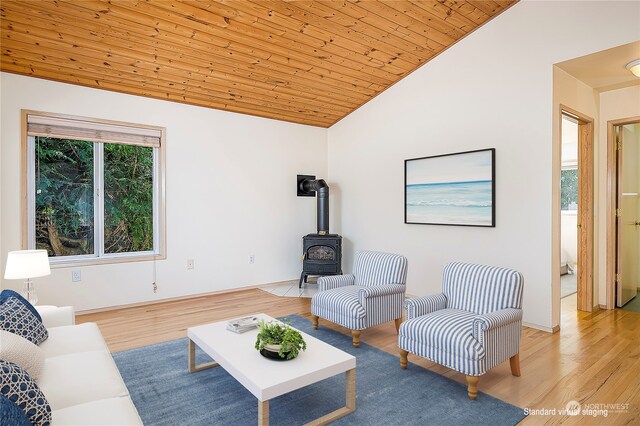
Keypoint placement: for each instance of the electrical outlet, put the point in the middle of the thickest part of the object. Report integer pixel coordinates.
(76, 276)
(190, 264)
(252, 259)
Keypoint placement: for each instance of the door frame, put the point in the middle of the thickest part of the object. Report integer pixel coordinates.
(585, 207)
(612, 196)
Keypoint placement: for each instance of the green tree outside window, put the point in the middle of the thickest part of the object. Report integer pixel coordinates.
(569, 189)
(64, 199)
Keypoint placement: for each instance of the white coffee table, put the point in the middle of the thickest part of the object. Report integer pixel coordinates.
(266, 378)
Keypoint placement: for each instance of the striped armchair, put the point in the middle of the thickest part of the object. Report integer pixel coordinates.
(472, 326)
(373, 294)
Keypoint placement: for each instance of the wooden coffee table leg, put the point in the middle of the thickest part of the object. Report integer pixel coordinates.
(350, 403)
(263, 413)
(192, 360)
(351, 390)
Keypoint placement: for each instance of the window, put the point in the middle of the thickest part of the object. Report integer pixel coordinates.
(569, 189)
(569, 172)
(94, 189)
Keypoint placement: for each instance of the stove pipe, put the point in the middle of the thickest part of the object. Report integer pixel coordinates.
(322, 194)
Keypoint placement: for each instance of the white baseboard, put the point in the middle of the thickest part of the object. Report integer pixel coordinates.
(178, 298)
(542, 327)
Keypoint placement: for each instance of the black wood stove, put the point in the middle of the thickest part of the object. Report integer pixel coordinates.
(321, 252)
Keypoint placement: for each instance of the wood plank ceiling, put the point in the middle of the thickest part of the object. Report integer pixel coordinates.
(309, 62)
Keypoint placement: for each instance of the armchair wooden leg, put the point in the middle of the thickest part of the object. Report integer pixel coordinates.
(356, 338)
(403, 358)
(398, 322)
(314, 320)
(514, 361)
(472, 386)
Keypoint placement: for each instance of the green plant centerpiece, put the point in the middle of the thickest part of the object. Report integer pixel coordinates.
(276, 336)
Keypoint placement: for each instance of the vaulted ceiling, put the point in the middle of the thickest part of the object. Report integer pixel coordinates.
(308, 62)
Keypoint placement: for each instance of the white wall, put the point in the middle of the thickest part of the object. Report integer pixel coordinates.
(230, 193)
(492, 89)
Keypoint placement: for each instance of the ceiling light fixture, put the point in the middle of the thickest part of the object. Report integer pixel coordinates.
(634, 67)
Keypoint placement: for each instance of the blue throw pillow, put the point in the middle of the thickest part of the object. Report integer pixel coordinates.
(17, 318)
(5, 294)
(21, 390)
(11, 414)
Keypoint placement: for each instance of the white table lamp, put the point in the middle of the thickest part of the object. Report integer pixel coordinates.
(27, 264)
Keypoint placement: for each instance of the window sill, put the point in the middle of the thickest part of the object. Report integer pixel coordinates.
(94, 261)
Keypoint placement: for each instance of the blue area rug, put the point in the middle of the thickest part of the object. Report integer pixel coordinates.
(165, 393)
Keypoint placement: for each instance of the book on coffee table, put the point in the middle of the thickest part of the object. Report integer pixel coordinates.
(240, 325)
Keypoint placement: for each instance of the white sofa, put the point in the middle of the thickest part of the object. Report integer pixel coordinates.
(80, 379)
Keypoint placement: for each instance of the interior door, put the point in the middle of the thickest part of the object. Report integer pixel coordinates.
(628, 213)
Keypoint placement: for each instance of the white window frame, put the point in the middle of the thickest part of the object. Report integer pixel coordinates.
(98, 257)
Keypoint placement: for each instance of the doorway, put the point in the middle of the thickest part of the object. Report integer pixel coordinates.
(577, 193)
(617, 139)
(627, 214)
(569, 207)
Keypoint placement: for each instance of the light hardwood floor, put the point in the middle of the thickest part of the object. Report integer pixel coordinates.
(594, 359)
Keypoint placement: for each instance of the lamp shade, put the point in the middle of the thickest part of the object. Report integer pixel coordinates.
(634, 67)
(27, 264)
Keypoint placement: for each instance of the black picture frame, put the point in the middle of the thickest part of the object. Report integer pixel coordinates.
(456, 189)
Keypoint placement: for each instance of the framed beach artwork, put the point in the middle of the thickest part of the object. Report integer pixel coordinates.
(451, 189)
